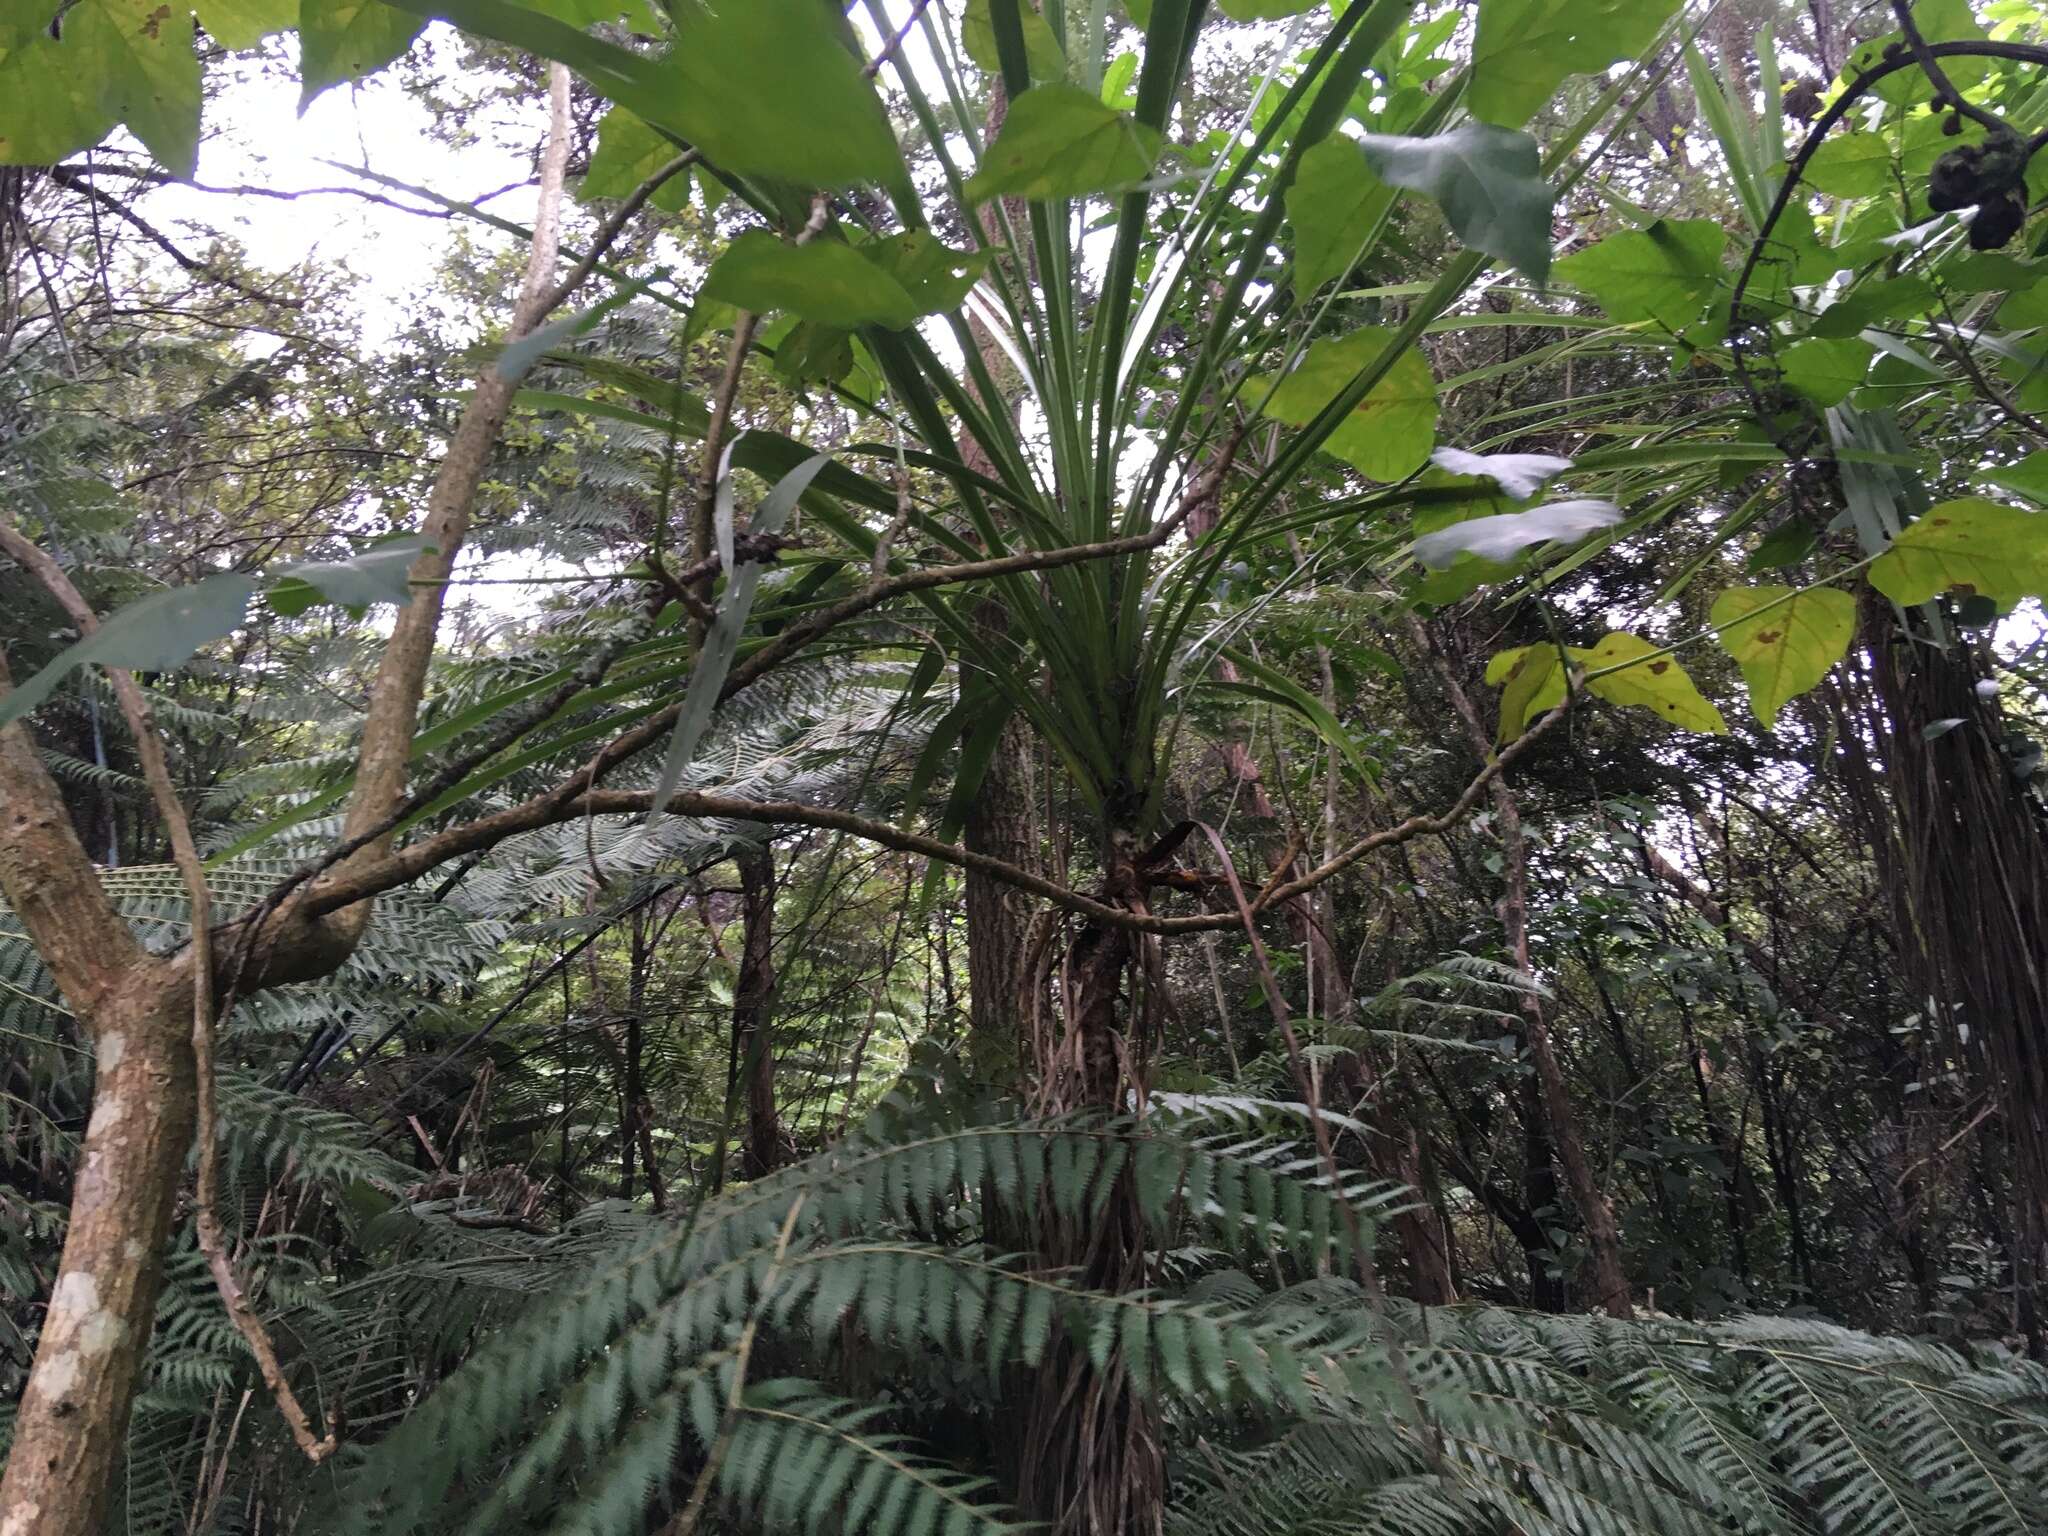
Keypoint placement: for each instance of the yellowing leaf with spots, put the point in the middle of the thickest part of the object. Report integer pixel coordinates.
(1531, 682)
(1388, 434)
(1784, 639)
(1650, 681)
(1973, 546)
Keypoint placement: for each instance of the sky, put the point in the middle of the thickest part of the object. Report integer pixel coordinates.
(255, 136)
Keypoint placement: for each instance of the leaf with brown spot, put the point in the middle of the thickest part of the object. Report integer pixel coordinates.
(1975, 546)
(1658, 683)
(1784, 640)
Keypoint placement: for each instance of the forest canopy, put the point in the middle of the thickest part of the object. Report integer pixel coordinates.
(1129, 767)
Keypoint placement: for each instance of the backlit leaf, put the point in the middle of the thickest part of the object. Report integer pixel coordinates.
(1525, 49)
(1664, 274)
(888, 283)
(1968, 546)
(1391, 431)
(1061, 141)
(1041, 48)
(116, 61)
(1652, 681)
(238, 24)
(1333, 206)
(346, 39)
(1784, 639)
(1532, 681)
(629, 150)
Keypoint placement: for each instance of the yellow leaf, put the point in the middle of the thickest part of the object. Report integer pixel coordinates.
(1651, 681)
(1783, 639)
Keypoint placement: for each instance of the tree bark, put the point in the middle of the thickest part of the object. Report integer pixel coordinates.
(753, 1013)
(1093, 1461)
(1000, 821)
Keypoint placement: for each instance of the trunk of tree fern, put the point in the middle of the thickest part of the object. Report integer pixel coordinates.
(999, 966)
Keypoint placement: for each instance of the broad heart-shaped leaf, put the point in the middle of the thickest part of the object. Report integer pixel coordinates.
(1390, 431)
(1784, 639)
(158, 632)
(1525, 49)
(1500, 537)
(629, 150)
(1871, 163)
(1665, 273)
(1973, 546)
(238, 24)
(936, 276)
(1041, 49)
(346, 39)
(768, 88)
(889, 282)
(1489, 183)
(1333, 206)
(1826, 371)
(116, 61)
(379, 574)
(1653, 682)
(1520, 475)
(1061, 141)
(1532, 680)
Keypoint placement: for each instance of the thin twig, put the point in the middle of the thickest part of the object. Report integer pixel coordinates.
(608, 232)
(874, 65)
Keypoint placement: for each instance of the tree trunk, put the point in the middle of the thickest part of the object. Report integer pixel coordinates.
(1093, 1462)
(1000, 820)
(71, 1426)
(1969, 854)
(1000, 824)
(753, 1012)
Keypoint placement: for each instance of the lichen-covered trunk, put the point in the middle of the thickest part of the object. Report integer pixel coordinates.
(71, 1426)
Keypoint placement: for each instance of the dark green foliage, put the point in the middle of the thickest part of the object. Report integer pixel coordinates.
(632, 1365)
(1583, 1424)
